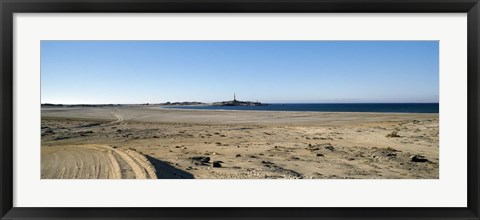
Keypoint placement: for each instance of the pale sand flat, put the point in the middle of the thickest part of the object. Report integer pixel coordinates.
(249, 144)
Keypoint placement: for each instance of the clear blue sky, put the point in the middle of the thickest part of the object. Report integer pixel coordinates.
(92, 72)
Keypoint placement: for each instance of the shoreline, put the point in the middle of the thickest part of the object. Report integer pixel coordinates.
(199, 107)
(207, 116)
(242, 110)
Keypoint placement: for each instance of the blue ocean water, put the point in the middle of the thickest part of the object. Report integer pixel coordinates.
(350, 107)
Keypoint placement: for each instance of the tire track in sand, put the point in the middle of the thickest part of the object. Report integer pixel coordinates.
(92, 161)
(119, 117)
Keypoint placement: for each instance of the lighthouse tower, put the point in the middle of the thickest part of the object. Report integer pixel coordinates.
(234, 99)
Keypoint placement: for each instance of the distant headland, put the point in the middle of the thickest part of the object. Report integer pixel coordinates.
(233, 102)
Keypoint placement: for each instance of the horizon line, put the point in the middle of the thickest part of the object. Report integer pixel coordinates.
(145, 103)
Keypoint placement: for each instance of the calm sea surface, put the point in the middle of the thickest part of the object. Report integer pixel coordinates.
(360, 107)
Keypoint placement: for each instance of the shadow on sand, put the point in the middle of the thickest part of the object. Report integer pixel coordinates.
(166, 171)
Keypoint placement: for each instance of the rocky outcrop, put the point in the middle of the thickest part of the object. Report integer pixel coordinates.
(238, 103)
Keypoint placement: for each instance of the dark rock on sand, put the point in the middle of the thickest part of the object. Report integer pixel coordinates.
(419, 158)
(329, 147)
(49, 131)
(201, 159)
(217, 164)
(394, 134)
(392, 154)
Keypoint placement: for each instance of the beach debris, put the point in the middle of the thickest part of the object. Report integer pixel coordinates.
(217, 163)
(418, 158)
(201, 159)
(238, 155)
(394, 134)
(320, 155)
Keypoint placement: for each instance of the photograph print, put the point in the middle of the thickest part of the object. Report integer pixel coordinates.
(239, 109)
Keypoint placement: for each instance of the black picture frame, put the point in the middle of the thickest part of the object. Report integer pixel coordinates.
(9, 7)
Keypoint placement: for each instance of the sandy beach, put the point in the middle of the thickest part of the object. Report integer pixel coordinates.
(146, 142)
